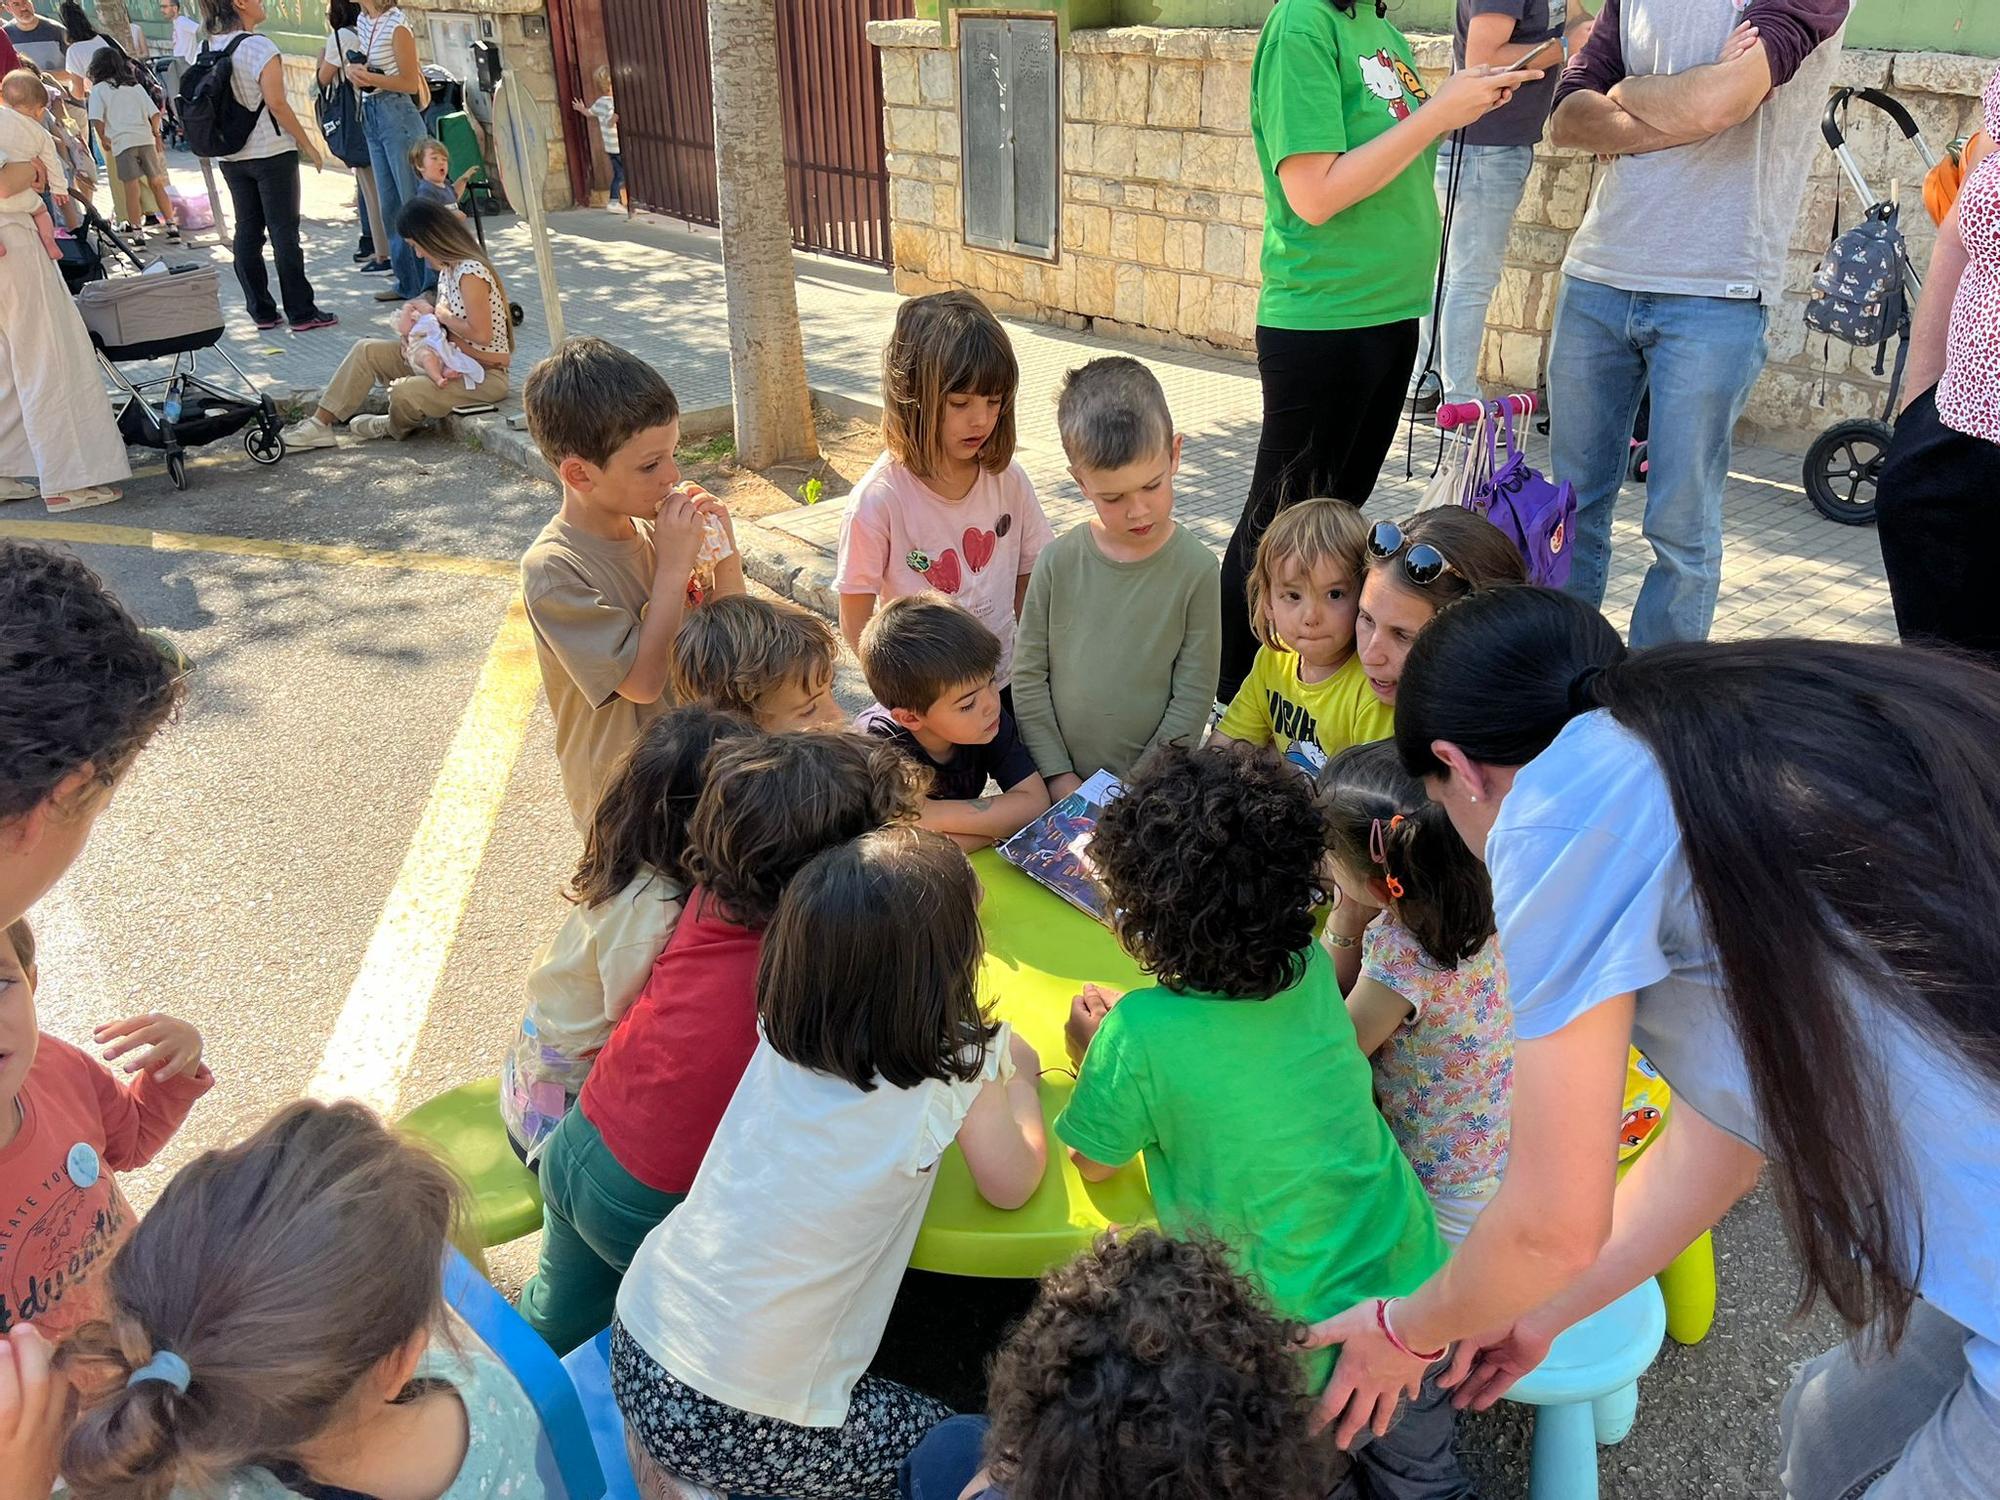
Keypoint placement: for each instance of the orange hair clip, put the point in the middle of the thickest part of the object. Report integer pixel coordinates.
(1378, 851)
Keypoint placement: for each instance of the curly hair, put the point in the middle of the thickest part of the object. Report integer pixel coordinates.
(1149, 1367)
(80, 683)
(1210, 859)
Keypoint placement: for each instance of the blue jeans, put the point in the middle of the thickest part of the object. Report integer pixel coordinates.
(391, 126)
(1700, 356)
(944, 1462)
(1489, 191)
(617, 176)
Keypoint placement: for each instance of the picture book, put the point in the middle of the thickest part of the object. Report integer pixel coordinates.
(1055, 848)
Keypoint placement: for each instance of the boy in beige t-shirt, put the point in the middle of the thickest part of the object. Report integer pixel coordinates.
(629, 552)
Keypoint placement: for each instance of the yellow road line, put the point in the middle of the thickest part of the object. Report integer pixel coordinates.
(89, 533)
(375, 1037)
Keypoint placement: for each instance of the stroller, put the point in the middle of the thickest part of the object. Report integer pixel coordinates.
(168, 315)
(1844, 461)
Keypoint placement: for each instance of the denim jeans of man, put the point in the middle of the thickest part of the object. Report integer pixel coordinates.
(391, 126)
(1699, 356)
(1489, 192)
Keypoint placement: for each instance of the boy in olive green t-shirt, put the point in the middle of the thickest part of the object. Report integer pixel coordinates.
(1238, 1077)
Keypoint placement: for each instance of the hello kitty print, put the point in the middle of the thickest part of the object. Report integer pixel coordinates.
(1968, 397)
(900, 536)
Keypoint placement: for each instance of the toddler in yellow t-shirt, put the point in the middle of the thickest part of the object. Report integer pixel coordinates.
(1307, 692)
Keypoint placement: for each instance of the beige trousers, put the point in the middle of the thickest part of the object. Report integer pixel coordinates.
(413, 400)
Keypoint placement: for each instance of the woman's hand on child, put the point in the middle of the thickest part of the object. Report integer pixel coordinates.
(34, 1404)
(176, 1046)
(1370, 1379)
(1485, 1369)
(1086, 1013)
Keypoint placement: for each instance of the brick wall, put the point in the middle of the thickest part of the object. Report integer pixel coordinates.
(1162, 208)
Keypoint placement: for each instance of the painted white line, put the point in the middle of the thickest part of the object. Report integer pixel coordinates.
(375, 1038)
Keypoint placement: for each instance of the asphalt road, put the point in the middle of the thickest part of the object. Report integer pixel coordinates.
(270, 873)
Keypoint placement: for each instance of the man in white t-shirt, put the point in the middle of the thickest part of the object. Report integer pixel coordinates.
(187, 32)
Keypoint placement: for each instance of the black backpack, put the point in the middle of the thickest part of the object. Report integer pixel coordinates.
(1857, 294)
(214, 120)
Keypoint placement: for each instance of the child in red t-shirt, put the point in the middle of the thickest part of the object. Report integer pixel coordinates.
(66, 1124)
(625, 1156)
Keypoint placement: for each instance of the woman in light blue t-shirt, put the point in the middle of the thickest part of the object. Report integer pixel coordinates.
(1774, 865)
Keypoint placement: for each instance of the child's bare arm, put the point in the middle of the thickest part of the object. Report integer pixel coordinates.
(1003, 1139)
(1378, 1013)
(989, 818)
(856, 610)
(676, 540)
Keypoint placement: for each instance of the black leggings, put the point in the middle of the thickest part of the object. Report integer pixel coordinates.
(1332, 399)
(1937, 516)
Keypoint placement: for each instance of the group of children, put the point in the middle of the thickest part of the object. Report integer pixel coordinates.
(761, 1025)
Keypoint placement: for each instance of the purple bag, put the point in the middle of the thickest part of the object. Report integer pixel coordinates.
(1538, 517)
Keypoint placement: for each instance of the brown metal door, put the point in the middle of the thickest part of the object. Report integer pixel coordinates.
(836, 180)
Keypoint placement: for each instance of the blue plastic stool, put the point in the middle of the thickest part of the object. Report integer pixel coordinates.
(589, 1367)
(1588, 1391)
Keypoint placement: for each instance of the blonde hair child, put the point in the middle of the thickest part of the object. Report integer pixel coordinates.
(1307, 693)
(945, 507)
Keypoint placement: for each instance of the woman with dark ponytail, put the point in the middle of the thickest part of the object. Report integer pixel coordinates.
(1775, 865)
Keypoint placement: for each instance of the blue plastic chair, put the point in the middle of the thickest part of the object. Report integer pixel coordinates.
(1588, 1391)
(567, 1457)
(589, 1368)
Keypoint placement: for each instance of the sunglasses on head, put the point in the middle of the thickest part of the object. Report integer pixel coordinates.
(1423, 564)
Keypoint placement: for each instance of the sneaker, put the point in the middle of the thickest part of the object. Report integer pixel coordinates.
(173, 233)
(368, 428)
(15, 489)
(317, 320)
(309, 434)
(151, 221)
(390, 294)
(267, 324)
(82, 499)
(362, 255)
(374, 267)
(1428, 396)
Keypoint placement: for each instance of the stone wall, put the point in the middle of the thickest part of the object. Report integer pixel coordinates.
(1162, 208)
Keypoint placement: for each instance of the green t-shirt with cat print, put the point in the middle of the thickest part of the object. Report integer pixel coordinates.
(1324, 80)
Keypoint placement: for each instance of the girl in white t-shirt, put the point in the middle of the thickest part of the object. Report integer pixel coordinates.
(740, 1351)
(946, 507)
(627, 891)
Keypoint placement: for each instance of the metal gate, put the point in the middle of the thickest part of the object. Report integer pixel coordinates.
(836, 181)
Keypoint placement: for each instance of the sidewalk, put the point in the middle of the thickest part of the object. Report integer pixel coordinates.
(657, 289)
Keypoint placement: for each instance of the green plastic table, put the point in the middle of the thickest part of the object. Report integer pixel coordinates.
(1039, 951)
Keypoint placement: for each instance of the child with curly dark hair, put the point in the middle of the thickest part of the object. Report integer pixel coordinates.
(1194, 1390)
(625, 1157)
(1237, 1075)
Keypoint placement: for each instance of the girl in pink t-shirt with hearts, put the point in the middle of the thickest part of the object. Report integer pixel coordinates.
(946, 507)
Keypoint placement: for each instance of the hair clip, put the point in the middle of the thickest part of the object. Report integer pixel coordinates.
(1378, 851)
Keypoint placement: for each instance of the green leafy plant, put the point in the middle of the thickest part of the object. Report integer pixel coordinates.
(813, 490)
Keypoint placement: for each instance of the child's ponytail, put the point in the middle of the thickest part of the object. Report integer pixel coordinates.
(1380, 824)
(268, 1282)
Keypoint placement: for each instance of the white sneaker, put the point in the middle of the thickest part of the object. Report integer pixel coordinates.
(15, 489)
(368, 427)
(82, 499)
(311, 433)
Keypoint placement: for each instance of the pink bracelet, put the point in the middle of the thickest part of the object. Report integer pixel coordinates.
(1382, 1322)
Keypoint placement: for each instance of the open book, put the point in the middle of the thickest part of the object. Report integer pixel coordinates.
(1055, 848)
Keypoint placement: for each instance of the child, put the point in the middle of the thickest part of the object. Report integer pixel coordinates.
(1424, 983)
(1195, 1389)
(628, 889)
(946, 507)
(22, 138)
(606, 582)
(1129, 575)
(740, 1353)
(128, 128)
(766, 658)
(429, 352)
(623, 1159)
(1306, 692)
(604, 110)
(1414, 570)
(278, 1329)
(435, 184)
(83, 690)
(931, 667)
(66, 1124)
(1237, 1075)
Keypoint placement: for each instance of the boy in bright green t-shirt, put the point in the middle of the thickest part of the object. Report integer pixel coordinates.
(1237, 1076)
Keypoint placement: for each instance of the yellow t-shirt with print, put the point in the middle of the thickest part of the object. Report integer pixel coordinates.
(1309, 722)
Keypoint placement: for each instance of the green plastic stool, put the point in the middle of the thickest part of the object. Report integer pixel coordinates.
(464, 1127)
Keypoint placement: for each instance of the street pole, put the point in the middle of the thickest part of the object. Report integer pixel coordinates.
(520, 124)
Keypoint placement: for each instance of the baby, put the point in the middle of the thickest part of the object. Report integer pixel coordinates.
(429, 352)
(22, 138)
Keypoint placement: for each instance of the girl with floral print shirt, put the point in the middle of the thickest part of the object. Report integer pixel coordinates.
(1412, 942)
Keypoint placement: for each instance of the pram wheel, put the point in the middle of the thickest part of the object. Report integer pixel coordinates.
(177, 469)
(1842, 466)
(264, 444)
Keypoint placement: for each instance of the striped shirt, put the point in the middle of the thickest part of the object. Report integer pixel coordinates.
(378, 35)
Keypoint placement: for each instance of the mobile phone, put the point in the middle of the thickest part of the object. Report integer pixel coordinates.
(1535, 58)
(357, 57)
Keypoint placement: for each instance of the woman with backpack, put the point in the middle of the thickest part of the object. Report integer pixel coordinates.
(1937, 499)
(343, 19)
(245, 77)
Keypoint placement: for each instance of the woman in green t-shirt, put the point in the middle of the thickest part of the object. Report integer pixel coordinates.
(1346, 137)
